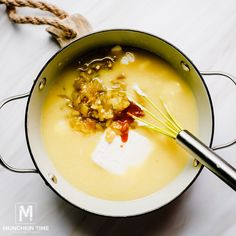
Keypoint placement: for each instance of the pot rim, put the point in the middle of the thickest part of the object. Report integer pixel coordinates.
(33, 87)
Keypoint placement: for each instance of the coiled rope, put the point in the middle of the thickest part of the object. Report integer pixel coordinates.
(11, 7)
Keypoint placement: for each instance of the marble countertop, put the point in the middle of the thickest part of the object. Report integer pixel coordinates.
(205, 30)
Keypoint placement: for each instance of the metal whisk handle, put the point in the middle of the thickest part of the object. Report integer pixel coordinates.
(208, 158)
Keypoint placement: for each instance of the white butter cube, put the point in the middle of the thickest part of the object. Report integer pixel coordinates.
(117, 157)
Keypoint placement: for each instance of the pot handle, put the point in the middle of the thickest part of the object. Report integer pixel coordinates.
(232, 79)
(2, 162)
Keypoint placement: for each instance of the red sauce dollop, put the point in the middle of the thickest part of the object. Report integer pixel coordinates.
(126, 120)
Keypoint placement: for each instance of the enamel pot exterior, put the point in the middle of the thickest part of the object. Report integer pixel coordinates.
(44, 82)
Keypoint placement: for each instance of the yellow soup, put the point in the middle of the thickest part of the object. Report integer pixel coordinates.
(163, 160)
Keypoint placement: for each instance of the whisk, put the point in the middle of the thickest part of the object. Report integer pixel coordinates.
(171, 128)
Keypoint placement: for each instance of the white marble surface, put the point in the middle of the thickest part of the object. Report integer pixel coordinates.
(206, 31)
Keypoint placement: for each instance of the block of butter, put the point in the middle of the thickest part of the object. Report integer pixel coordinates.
(117, 157)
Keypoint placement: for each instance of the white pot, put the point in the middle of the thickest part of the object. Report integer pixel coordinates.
(43, 83)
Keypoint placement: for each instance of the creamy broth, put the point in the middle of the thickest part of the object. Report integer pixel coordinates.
(71, 151)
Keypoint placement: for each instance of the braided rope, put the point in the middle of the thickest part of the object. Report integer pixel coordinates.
(53, 21)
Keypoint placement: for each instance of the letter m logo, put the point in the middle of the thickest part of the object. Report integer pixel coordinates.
(25, 213)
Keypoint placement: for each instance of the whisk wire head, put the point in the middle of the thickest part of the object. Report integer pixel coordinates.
(170, 128)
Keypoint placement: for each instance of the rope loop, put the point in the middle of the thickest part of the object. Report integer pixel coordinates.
(55, 21)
